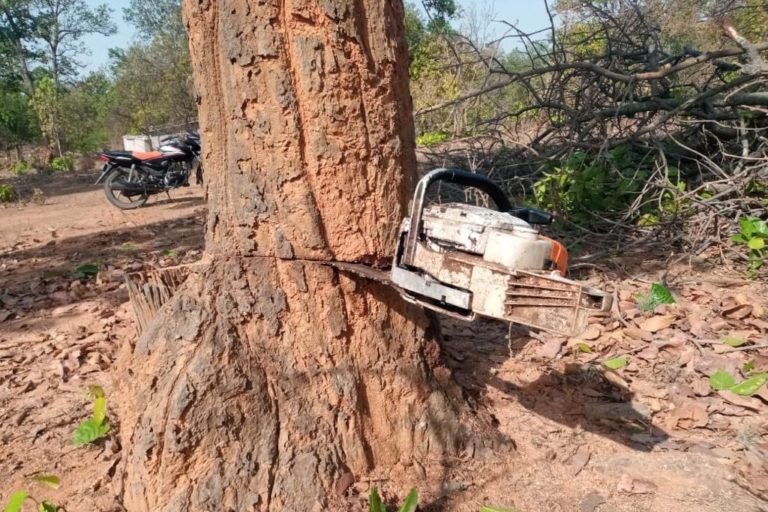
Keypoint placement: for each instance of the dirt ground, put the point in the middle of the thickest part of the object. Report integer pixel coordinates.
(571, 435)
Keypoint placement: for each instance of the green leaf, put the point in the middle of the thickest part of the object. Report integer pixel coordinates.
(739, 238)
(721, 380)
(16, 501)
(756, 243)
(87, 270)
(747, 227)
(616, 363)
(99, 410)
(411, 502)
(661, 294)
(89, 431)
(733, 341)
(374, 501)
(761, 227)
(748, 366)
(750, 386)
(583, 347)
(51, 481)
(47, 506)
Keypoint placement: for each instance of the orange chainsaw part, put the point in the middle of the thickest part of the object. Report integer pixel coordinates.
(559, 255)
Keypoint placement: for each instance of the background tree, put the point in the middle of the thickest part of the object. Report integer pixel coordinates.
(269, 381)
(153, 82)
(60, 26)
(18, 124)
(17, 50)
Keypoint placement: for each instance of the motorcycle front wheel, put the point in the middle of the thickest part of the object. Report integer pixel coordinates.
(112, 189)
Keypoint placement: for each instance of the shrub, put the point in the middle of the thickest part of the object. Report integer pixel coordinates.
(753, 233)
(583, 184)
(21, 168)
(7, 194)
(63, 164)
(429, 139)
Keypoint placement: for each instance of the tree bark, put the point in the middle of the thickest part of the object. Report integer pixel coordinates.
(269, 382)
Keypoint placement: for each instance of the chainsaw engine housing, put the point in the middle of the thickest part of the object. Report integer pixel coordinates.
(465, 260)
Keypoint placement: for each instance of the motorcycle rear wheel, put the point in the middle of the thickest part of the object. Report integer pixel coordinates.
(116, 197)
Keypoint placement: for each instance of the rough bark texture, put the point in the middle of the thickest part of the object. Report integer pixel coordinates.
(268, 383)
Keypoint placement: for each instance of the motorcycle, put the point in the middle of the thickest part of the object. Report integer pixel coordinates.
(130, 177)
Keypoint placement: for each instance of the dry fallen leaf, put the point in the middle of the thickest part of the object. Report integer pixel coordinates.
(657, 323)
(592, 333)
(739, 311)
(551, 348)
(742, 401)
(690, 415)
(579, 460)
(638, 334)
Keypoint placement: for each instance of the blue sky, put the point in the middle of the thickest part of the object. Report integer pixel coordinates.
(529, 15)
(99, 45)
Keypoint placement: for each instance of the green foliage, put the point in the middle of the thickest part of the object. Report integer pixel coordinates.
(415, 30)
(374, 501)
(753, 234)
(7, 193)
(616, 363)
(85, 271)
(584, 184)
(16, 501)
(18, 498)
(46, 105)
(583, 347)
(430, 139)
(89, 431)
(63, 164)
(51, 481)
(86, 109)
(750, 386)
(409, 505)
(733, 341)
(96, 426)
(21, 168)
(722, 380)
(659, 294)
(18, 124)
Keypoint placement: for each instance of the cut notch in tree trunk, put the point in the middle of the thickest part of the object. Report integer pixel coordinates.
(149, 290)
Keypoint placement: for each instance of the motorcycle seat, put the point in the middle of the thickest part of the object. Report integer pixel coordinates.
(147, 155)
(117, 154)
(135, 155)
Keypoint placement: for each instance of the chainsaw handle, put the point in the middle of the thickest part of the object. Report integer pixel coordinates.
(458, 177)
(467, 179)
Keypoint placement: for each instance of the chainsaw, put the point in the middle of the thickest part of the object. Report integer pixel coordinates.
(467, 261)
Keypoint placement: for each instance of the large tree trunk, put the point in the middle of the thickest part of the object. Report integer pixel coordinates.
(268, 382)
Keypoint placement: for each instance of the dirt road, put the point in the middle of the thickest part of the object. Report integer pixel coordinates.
(567, 434)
